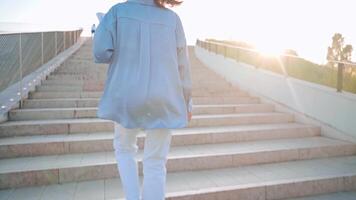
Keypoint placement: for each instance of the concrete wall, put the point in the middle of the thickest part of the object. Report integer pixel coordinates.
(311, 103)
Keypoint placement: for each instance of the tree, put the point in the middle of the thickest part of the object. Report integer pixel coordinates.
(338, 51)
(347, 53)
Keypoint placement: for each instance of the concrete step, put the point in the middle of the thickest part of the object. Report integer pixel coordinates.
(198, 89)
(204, 92)
(80, 167)
(75, 67)
(93, 102)
(75, 83)
(232, 108)
(203, 72)
(214, 78)
(85, 52)
(51, 127)
(68, 126)
(74, 63)
(271, 181)
(225, 100)
(52, 113)
(61, 103)
(59, 88)
(93, 74)
(83, 57)
(55, 95)
(206, 77)
(102, 141)
(65, 77)
(87, 48)
(201, 69)
(75, 113)
(238, 98)
(87, 66)
(81, 82)
(65, 83)
(82, 65)
(60, 85)
(240, 119)
(351, 195)
(101, 77)
(219, 89)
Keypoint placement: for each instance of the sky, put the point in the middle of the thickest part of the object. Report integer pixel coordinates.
(272, 25)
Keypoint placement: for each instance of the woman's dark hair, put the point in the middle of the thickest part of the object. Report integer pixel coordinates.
(163, 3)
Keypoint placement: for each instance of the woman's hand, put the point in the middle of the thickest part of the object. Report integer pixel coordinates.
(190, 116)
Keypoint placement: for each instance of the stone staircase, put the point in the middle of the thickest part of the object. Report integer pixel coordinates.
(236, 147)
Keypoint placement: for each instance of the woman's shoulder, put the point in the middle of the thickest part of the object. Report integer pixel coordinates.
(127, 6)
(158, 15)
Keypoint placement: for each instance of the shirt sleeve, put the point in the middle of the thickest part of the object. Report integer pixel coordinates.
(103, 42)
(183, 64)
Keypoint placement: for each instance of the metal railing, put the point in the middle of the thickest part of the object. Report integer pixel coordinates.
(23, 53)
(235, 52)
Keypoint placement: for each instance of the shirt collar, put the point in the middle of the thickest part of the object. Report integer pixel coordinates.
(147, 2)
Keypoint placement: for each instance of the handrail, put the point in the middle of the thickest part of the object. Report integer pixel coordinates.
(24, 53)
(208, 45)
(282, 54)
(46, 31)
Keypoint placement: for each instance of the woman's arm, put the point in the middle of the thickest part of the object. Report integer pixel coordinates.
(184, 65)
(103, 44)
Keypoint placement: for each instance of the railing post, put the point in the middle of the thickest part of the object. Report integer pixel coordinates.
(340, 77)
(75, 36)
(55, 42)
(21, 65)
(64, 40)
(225, 51)
(42, 56)
(237, 55)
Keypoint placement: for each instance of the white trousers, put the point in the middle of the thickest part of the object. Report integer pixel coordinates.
(156, 148)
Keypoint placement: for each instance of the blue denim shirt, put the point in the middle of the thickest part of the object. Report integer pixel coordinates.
(148, 80)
